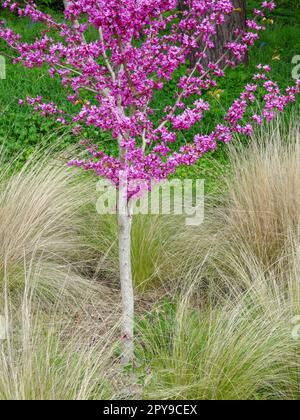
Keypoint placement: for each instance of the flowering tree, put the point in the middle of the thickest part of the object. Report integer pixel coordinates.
(111, 77)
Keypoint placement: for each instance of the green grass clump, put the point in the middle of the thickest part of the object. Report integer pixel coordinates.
(158, 243)
(241, 349)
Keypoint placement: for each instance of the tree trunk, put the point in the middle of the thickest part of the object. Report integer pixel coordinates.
(225, 33)
(125, 227)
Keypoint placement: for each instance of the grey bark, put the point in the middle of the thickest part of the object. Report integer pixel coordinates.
(125, 227)
(225, 33)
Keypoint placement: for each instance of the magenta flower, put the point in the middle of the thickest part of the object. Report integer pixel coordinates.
(133, 57)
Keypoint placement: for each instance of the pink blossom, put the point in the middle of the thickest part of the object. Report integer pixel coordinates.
(269, 5)
(112, 79)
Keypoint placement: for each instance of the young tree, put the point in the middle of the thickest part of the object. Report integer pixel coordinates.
(112, 79)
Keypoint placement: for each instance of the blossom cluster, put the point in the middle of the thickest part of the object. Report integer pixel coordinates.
(138, 48)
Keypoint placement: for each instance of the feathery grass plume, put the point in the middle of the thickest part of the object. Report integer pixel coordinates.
(40, 224)
(49, 356)
(254, 225)
(264, 194)
(239, 349)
